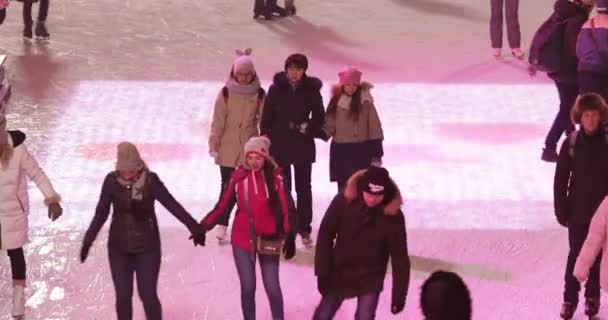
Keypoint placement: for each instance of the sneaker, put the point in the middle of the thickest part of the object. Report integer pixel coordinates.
(568, 309)
(592, 307)
(222, 233)
(549, 155)
(306, 240)
(18, 301)
(27, 33)
(41, 32)
(496, 52)
(518, 53)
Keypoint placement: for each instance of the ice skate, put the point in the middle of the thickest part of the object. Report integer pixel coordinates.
(592, 307)
(568, 310)
(40, 32)
(18, 311)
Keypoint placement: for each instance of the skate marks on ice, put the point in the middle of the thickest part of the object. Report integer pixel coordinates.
(445, 8)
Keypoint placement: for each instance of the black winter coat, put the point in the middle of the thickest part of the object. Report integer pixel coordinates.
(581, 181)
(287, 107)
(574, 17)
(134, 227)
(354, 245)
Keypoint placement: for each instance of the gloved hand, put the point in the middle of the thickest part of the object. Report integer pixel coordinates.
(289, 249)
(397, 305)
(562, 220)
(55, 211)
(84, 251)
(198, 235)
(323, 284)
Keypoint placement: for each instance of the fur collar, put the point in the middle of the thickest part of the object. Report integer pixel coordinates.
(280, 80)
(351, 192)
(366, 88)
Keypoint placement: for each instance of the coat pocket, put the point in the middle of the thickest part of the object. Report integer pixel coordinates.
(20, 203)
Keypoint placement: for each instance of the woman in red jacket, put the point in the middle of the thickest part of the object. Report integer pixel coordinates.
(261, 222)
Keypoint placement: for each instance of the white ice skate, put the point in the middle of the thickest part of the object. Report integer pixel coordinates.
(18, 311)
(222, 234)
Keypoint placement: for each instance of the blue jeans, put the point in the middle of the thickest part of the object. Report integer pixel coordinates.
(366, 307)
(245, 266)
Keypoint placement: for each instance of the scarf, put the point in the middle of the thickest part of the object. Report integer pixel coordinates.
(243, 89)
(137, 185)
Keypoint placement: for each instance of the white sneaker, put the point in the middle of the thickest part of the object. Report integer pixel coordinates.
(18, 301)
(222, 233)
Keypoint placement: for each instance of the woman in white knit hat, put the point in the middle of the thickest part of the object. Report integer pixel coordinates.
(16, 163)
(134, 241)
(236, 116)
(264, 225)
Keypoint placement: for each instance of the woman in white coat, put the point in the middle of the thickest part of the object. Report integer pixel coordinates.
(16, 163)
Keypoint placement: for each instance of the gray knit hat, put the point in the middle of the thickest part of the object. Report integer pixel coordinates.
(128, 158)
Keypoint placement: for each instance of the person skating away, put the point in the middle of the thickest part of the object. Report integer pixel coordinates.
(267, 9)
(16, 166)
(351, 120)
(445, 296)
(39, 30)
(592, 52)
(510, 9)
(567, 19)
(262, 223)
(580, 185)
(134, 240)
(292, 107)
(362, 228)
(236, 117)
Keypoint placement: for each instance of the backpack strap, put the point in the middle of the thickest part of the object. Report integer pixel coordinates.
(225, 94)
(572, 142)
(261, 95)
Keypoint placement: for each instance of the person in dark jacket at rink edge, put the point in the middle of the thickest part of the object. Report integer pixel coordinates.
(581, 183)
(592, 52)
(573, 15)
(361, 229)
(134, 240)
(293, 108)
(267, 9)
(445, 296)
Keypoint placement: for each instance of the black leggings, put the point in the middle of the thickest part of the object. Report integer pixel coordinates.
(43, 11)
(17, 263)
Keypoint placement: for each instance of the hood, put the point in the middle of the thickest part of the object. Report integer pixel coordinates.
(280, 80)
(352, 192)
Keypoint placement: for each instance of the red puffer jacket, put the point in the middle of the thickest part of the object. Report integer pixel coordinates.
(264, 221)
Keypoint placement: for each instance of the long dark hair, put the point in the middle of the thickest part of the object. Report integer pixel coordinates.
(355, 103)
(273, 196)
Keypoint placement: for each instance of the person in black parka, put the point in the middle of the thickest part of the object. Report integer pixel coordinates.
(361, 229)
(572, 14)
(134, 240)
(293, 108)
(581, 183)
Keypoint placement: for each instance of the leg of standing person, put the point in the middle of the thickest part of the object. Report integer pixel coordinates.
(18, 270)
(568, 92)
(513, 30)
(245, 267)
(269, 265)
(496, 18)
(147, 269)
(122, 268)
(328, 307)
(302, 175)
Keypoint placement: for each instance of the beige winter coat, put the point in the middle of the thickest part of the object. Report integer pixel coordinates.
(235, 120)
(346, 129)
(596, 241)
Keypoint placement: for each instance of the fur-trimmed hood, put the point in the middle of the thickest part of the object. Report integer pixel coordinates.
(351, 192)
(366, 88)
(280, 80)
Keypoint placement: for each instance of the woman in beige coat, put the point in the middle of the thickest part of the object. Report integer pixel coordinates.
(236, 115)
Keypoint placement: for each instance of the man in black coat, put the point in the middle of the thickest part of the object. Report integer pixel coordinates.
(294, 107)
(581, 183)
(361, 229)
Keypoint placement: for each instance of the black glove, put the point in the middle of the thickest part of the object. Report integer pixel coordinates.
(55, 211)
(562, 220)
(84, 252)
(289, 249)
(198, 235)
(323, 284)
(397, 305)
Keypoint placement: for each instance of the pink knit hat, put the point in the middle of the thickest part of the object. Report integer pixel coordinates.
(243, 62)
(258, 145)
(350, 75)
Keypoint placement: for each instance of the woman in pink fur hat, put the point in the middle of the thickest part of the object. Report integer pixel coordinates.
(353, 124)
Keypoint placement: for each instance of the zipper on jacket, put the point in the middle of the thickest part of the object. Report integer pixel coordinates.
(20, 203)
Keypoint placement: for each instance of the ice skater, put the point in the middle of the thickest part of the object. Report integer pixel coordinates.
(263, 228)
(16, 165)
(267, 9)
(510, 8)
(294, 105)
(352, 122)
(362, 228)
(134, 241)
(40, 31)
(236, 116)
(592, 52)
(581, 183)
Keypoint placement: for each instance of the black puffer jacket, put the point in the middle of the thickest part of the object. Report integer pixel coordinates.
(286, 108)
(134, 227)
(574, 17)
(355, 242)
(581, 179)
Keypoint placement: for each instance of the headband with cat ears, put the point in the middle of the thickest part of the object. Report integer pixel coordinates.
(246, 52)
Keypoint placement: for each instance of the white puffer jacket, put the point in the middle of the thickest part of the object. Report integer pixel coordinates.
(14, 201)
